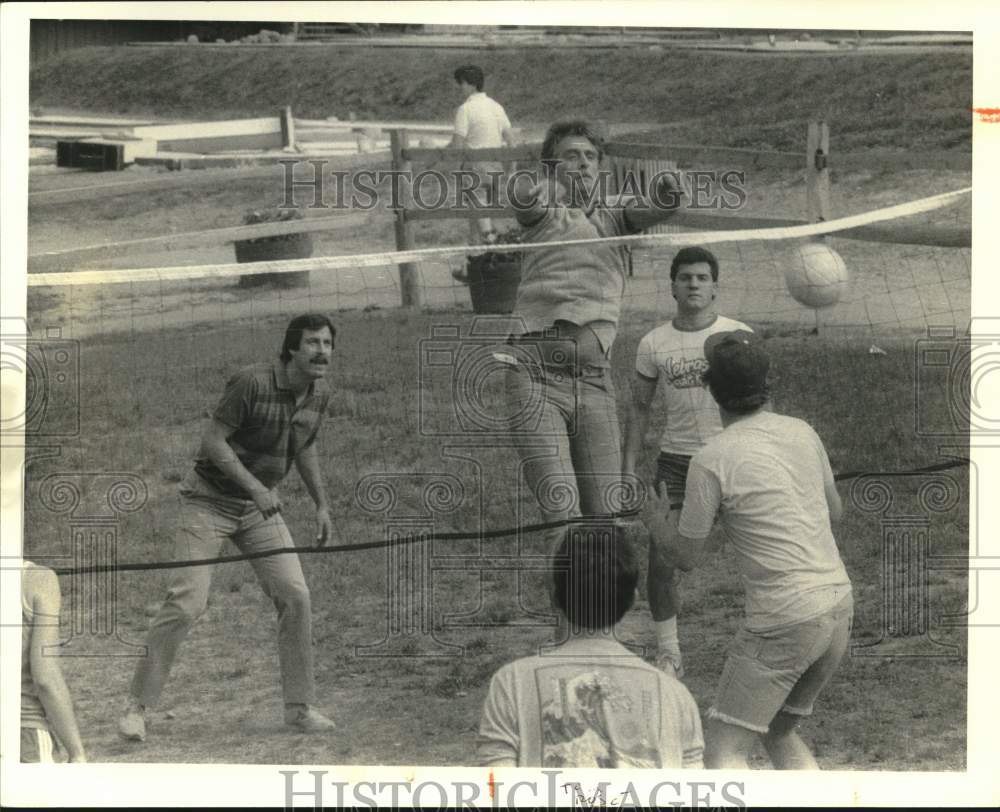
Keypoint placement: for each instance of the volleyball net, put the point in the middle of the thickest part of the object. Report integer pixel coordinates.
(127, 360)
(887, 284)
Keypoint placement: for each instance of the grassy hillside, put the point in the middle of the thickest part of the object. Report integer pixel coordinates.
(905, 101)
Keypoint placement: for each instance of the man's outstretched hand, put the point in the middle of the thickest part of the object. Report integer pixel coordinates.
(669, 192)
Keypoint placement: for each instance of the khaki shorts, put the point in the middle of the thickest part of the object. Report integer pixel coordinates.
(781, 669)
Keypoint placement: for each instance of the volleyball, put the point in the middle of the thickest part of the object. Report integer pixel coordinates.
(817, 275)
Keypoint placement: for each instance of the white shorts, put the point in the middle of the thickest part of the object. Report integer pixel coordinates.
(39, 747)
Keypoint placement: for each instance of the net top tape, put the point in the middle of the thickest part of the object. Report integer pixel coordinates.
(388, 258)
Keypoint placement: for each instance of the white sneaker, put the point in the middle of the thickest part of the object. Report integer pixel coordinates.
(670, 662)
(307, 720)
(132, 724)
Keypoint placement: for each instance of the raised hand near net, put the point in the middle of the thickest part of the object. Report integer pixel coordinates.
(530, 196)
(669, 191)
(666, 197)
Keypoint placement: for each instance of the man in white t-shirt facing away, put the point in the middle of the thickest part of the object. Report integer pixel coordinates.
(480, 123)
(671, 359)
(768, 478)
(590, 702)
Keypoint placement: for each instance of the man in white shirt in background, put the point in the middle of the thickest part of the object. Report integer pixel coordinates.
(768, 478)
(671, 358)
(480, 123)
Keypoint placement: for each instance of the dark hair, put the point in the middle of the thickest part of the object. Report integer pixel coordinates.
(293, 335)
(691, 256)
(562, 129)
(471, 75)
(594, 575)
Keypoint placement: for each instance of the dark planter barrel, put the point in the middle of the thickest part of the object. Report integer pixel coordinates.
(267, 249)
(493, 281)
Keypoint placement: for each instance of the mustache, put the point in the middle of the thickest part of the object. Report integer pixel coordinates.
(320, 359)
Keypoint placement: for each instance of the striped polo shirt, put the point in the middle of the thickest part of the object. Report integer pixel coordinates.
(270, 429)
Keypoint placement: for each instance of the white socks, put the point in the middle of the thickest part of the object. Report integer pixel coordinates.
(666, 635)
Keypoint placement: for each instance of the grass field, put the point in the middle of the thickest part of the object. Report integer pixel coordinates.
(143, 400)
(146, 389)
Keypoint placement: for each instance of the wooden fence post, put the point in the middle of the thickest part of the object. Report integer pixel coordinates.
(618, 167)
(817, 173)
(409, 281)
(817, 180)
(287, 129)
(643, 170)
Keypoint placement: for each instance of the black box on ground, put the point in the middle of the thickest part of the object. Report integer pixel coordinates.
(95, 156)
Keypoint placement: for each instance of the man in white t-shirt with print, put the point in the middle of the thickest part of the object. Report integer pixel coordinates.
(590, 702)
(480, 123)
(671, 358)
(768, 478)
